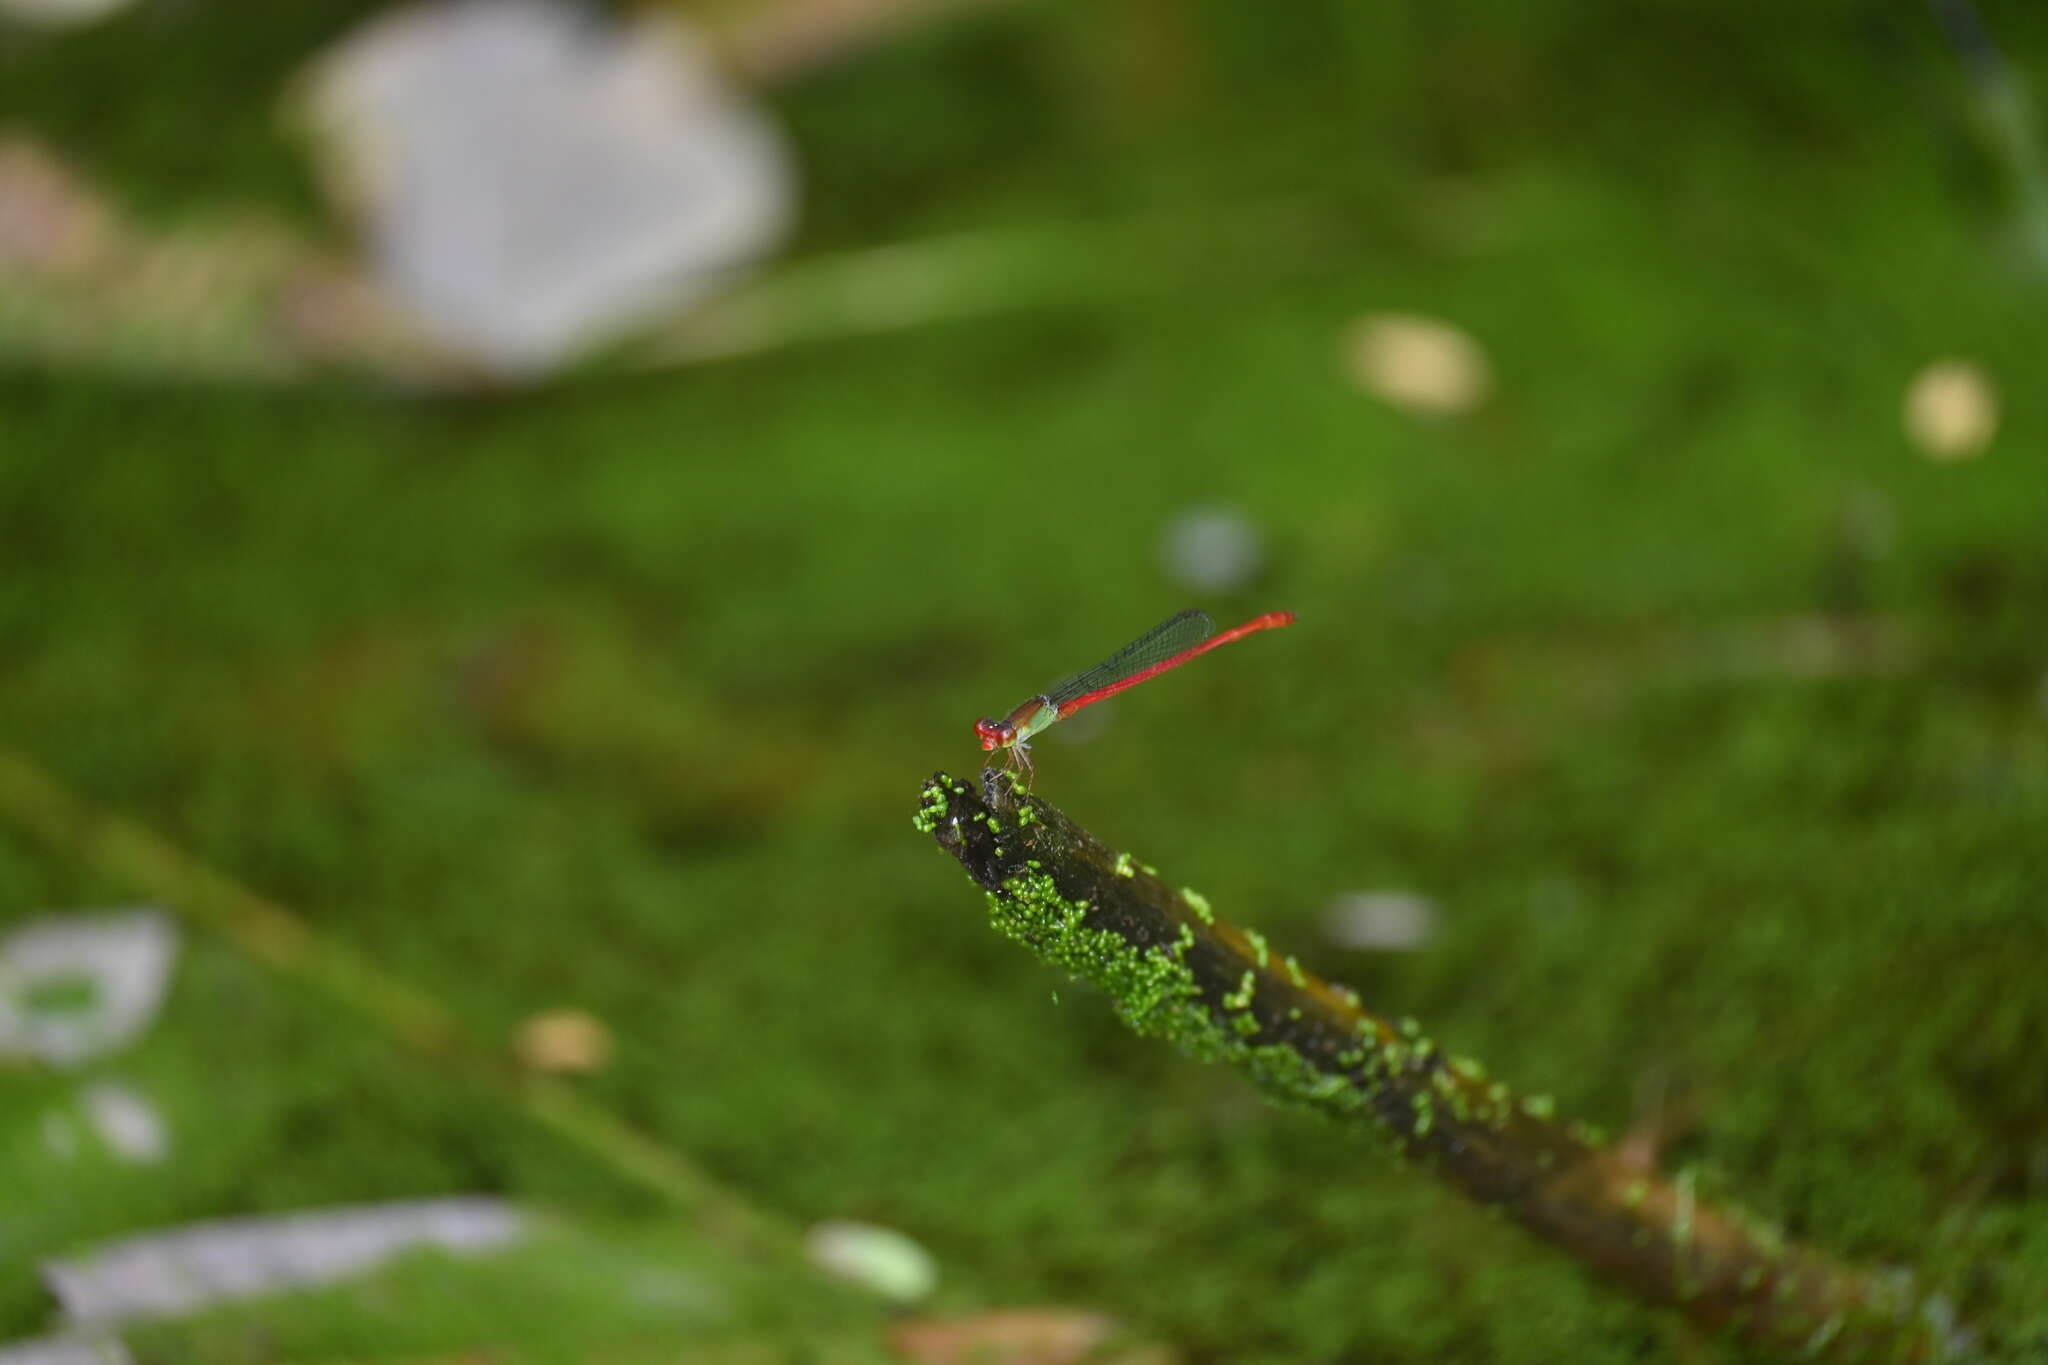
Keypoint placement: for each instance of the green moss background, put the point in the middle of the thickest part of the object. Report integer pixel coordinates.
(618, 695)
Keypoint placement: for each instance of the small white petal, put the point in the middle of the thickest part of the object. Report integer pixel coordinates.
(127, 1123)
(1422, 365)
(1951, 410)
(173, 1273)
(75, 986)
(1394, 921)
(536, 178)
(1212, 549)
(879, 1258)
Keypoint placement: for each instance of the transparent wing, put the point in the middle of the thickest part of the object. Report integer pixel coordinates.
(1174, 635)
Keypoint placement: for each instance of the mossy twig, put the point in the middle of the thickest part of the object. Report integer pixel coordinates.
(1175, 970)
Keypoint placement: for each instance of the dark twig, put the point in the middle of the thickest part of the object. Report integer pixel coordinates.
(1174, 970)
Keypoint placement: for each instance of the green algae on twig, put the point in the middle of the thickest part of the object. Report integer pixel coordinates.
(1174, 969)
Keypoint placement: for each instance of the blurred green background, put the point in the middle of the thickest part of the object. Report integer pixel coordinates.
(1708, 711)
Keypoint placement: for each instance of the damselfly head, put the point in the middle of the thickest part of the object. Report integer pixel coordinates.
(994, 733)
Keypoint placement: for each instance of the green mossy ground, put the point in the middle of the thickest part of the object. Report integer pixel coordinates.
(611, 697)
